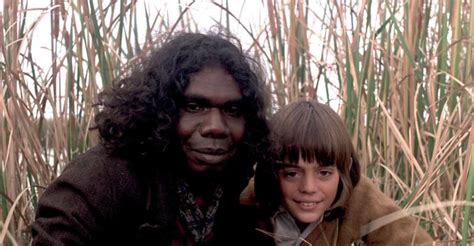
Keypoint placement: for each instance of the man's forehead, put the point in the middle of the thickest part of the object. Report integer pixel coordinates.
(213, 84)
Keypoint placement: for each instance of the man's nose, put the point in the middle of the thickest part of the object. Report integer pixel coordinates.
(214, 124)
(308, 184)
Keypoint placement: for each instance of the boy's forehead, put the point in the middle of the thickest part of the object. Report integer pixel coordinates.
(302, 165)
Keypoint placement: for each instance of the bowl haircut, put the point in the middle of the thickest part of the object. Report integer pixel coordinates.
(314, 132)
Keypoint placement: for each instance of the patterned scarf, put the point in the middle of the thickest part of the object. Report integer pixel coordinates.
(199, 224)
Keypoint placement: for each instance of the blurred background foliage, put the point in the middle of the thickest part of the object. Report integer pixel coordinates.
(400, 74)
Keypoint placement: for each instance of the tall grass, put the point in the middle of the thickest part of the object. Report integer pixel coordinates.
(400, 73)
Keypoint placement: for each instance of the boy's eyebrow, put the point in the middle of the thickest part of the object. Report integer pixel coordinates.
(280, 165)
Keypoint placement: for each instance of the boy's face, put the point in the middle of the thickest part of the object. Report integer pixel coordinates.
(211, 123)
(308, 189)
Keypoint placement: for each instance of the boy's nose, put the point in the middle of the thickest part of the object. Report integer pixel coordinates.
(308, 184)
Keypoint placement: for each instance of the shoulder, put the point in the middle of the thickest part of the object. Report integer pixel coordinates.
(366, 206)
(96, 164)
(95, 176)
(94, 169)
(91, 199)
(368, 202)
(373, 214)
(94, 160)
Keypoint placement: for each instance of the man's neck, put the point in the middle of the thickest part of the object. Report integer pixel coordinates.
(202, 184)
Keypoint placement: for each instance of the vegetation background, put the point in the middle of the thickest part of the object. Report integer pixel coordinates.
(400, 74)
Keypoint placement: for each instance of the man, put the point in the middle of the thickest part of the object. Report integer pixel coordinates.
(179, 137)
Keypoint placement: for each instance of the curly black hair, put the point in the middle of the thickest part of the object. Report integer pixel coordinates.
(139, 112)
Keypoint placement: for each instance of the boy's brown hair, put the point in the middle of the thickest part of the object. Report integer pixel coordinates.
(314, 132)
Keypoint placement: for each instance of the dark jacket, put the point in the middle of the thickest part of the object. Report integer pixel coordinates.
(105, 200)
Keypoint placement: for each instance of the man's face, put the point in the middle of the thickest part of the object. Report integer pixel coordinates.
(211, 122)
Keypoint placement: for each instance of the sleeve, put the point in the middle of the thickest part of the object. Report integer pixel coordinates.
(403, 231)
(74, 207)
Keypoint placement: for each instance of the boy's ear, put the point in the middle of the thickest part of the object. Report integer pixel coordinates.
(247, 197)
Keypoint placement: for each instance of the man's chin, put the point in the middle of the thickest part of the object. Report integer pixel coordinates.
(206, 168)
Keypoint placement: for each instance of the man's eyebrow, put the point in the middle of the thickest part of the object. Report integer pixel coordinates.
(196, 98)
(205, 101)
(236, 102)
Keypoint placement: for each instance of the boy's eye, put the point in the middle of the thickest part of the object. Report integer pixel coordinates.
(325, 173)
(289, 174)
(193, 107)
(235, 111)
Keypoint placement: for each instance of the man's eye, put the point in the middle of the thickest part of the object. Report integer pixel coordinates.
(233, 111)
(193, 107)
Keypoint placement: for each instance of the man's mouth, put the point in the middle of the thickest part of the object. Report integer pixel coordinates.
(211, 156)
(211, 151)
